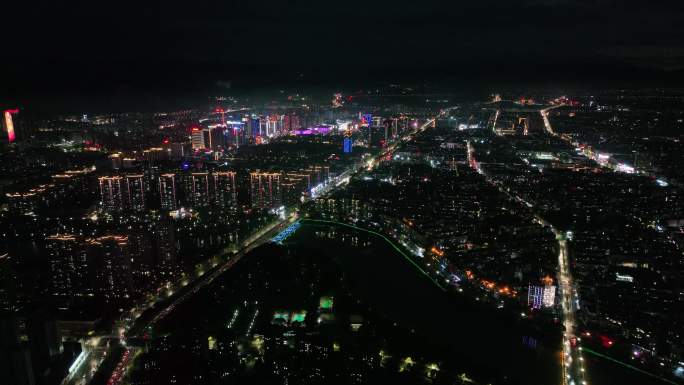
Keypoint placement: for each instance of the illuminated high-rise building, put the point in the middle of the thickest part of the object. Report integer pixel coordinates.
(8, 125)
(535, 295)
(274, 125)
(81, 267)
(303, 178)
(176, 150)
(118, 193)
(209, 137)
(197, 138)
(294, 185)
(256, 127)
(167, 191)
(26, 201)
(291, 123)
(68, 266)
(206, 138)
(224, 188)
(165, 246)
(265, 189)
(72, 183)
(110, 266)
(135, 192)
(197, 189)
(112, 193)
(347, 145)
(263, 125)
(539, 296)
(549, 297)
(252, 128)
(142, 263)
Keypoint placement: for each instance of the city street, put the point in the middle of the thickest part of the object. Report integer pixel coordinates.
(573, 365)
(572, 361)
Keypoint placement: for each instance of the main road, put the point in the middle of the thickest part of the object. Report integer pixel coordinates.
(572, 365)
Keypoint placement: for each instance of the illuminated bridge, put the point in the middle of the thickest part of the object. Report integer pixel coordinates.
(289, 230)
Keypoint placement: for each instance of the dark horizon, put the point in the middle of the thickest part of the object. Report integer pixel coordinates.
(82, 54)
(145, 94)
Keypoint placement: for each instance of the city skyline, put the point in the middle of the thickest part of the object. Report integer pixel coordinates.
(321, 193)
(516, 204)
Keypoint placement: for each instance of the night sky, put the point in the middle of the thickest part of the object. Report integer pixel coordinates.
(84, 49)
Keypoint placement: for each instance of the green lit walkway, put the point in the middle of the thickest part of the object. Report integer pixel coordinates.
(382, 236)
